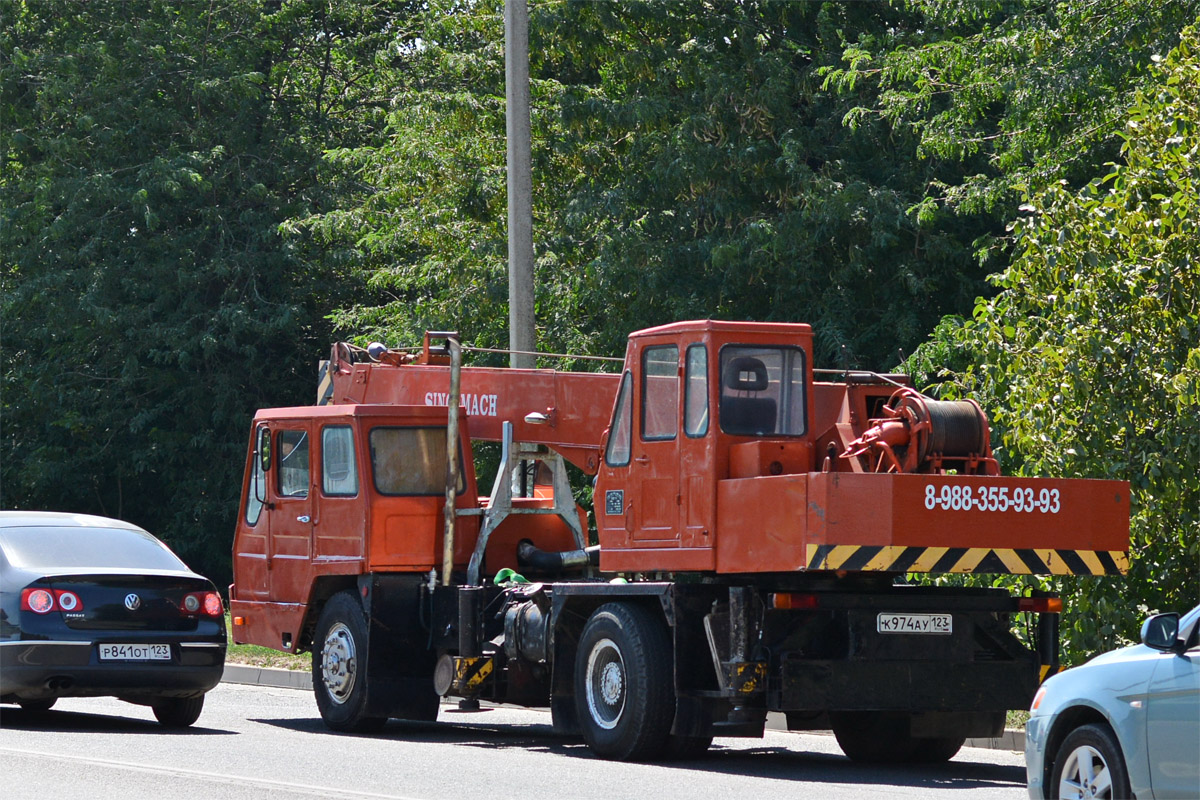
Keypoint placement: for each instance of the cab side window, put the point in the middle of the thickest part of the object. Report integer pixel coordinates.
(695, 392)
(411, 461)
(616, 454)
(660, 392)
(339, 474)
(256, 492)
(292, 452)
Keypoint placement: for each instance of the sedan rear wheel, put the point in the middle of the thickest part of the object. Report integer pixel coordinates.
(1089, 766)
(177, 712)
(38, 706)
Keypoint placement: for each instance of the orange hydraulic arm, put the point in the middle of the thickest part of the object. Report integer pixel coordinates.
(566, 411)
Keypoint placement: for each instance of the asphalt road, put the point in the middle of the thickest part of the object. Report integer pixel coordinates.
(259, 742)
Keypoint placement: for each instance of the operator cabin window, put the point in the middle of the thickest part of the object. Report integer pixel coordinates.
(660, 392)
(339, 476)
(695, 392)
(762, 391)
(411, 461)
(293, 463)
(621, 430)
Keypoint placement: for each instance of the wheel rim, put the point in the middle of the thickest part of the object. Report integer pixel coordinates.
(339, 663)
(606, 684)
(1085, 776)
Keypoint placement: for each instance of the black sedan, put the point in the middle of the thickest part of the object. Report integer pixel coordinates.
(94, 607)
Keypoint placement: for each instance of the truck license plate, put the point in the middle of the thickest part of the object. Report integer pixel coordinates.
(135, 652)
(914, 623)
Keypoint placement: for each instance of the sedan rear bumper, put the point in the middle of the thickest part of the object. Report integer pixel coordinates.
(43, 669)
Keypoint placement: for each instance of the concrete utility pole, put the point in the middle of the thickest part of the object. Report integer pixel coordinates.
(520, 183)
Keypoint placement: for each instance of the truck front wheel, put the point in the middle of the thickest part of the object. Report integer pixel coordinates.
(339, 666)
(623, 687)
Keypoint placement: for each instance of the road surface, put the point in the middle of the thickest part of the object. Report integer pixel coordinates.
(259, 742)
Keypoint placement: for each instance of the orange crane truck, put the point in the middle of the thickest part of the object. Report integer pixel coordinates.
(755, 528)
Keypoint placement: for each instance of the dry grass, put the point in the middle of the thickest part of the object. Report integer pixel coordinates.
(1016, 719)
(255, 656)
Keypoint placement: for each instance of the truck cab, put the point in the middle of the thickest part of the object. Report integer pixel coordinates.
(333, 492)
(699, 403)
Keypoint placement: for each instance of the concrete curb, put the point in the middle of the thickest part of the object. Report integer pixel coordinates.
(267, 676)
(1011, 739)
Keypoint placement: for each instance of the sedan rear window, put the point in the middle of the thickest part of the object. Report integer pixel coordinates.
(88, 547)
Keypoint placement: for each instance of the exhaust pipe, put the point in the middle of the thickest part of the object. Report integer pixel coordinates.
(529, 555)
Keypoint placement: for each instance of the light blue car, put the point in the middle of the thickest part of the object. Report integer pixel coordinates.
(1125, 724)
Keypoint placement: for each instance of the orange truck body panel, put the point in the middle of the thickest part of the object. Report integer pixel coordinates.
(900, 523)
(576, 403)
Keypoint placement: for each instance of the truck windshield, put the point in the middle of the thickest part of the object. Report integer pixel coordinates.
(410, 461)
(762, 391)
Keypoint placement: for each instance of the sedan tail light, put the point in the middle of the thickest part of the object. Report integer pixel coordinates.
(67, 601)
(208, 603)
(39, 601)
(43, 601)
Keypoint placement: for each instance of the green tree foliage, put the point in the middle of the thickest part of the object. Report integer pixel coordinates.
(1019, 92)
(1089, 357)
(717, 177)
(427, 227)
(150, 152)
(688, 163)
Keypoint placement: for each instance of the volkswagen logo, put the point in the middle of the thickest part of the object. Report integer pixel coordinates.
(132, 601)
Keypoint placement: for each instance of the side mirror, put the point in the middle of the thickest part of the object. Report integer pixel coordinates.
(1161, 631)
(264, 448)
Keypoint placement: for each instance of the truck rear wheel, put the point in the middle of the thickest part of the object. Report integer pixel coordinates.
(881, 737)
(339, 666)
(624, 692)
(686, 748)
(937, 749)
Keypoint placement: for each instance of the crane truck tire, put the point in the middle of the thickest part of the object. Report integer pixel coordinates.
(880, 737)
(339, 666)
(935, 750)
(624, 691)
(686, 748)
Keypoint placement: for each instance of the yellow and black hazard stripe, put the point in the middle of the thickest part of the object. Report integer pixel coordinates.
(746, 677)
(469, 673)
(1049, 669)
(967, 559)
(324, 384)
